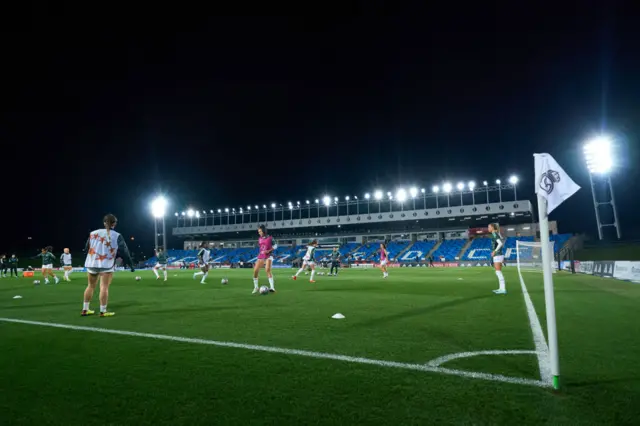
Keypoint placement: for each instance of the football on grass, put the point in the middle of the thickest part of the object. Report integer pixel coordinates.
(225, 281)
(138, 278)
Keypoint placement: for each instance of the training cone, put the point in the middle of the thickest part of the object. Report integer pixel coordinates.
(17, 297)
(338, 316)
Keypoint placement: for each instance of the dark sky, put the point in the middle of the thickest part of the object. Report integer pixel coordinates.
(99, 114)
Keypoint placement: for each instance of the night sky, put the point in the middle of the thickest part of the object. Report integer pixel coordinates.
(101, 114)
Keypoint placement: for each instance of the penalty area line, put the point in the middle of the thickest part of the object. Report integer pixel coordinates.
(296, 352)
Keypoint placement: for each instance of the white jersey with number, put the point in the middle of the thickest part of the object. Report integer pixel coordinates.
(66, 259)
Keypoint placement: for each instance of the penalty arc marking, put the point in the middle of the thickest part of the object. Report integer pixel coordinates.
(310, 354)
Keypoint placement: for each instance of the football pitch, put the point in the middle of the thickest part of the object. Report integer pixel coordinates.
(426, 346)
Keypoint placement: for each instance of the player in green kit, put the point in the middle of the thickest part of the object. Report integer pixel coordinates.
(497, 254)
(162, 263)
(47, 264)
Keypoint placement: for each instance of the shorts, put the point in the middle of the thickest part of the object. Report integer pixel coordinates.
(67, 266)
(203, 265)
(383, 262)
(266, 258)
(96, 271)
(50, 266)
(498, 259)
(161, 265)
(308, 263)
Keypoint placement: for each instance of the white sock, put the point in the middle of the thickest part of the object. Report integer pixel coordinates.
(65, 274)
(312, 274)
(165, 274)
(271, 282)
(204, 277)
(46, 280)
(56, 279)
(299, 271)
(255, 283)
(69, 272)
(500, 280)
(198, 273)
(85, 306)
(155, 271)
(103, 308)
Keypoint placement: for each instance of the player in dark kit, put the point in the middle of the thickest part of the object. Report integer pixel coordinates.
(4, 265)
(13, 264)
(335, 261)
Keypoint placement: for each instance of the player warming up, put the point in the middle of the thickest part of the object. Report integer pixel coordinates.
(335, 262)
(497, 253)
(47, 264)
(65, 261)
(384, 258)
(265, 258)
(102, 248)
(309, 260)
(203, 262)
(162, 264)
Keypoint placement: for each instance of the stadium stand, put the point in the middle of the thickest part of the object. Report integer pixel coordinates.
(419, 249)
(449, 249)
(393, 248)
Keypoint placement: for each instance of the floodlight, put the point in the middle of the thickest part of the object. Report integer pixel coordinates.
(219, 211)
(346, 198)
(298, 202)
(264, 206)
(258, 207)
(513, 180)
(471, 185)
(233, 210)
(423, 190)
(159, 206)
(190, 212)
(401, 195)
(389, 194)
(307, 202)
(290, 206)
(485, 183)
(248, 207)
(204, 212)
(326, 200)
(378, 195)
(226, 210)
(240, 209)
(182, 213)
(597, 153)
(413, 191)
(460, 186)
(498, 181)
(335, 199)
(197, 214)
(367, 196)
(447, 187)
(317, 201)
(435, 189)
(176, 214)
(273, 205)
(355, 197)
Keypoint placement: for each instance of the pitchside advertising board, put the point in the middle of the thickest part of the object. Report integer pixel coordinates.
(618, 269)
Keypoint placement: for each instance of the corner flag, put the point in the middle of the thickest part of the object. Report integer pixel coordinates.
(552, 182)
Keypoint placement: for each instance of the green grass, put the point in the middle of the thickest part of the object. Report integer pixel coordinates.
(70, 377)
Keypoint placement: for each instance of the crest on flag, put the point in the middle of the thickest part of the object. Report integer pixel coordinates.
(552, 182)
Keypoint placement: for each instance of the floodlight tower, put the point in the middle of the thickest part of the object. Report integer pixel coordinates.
(598, 156)
(158, 210)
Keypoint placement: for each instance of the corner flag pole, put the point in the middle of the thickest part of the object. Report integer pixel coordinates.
(550, 303)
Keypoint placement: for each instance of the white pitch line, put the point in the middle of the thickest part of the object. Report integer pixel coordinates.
(439, 361)
(298, 352)
(539, 341)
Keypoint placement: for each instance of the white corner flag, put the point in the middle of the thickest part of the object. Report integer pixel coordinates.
(553, 186)
(552, 182)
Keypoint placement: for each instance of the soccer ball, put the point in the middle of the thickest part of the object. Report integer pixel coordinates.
(138, 278)
(36, 282)
(264, 290)
(224, 281)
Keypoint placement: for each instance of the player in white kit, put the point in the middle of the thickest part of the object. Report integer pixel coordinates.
(204, 255)
(309, 261)
(65, 261)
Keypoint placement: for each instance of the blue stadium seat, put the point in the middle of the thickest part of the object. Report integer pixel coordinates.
(449, 249)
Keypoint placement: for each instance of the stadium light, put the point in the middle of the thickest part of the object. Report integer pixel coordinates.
(326, 200)
(367, 196)
(447, 187)
(378, 195)
(273, 205)
(435, 189)
(264, 206)
(460, 187)
(159, 207)
(401, 195)
(249, 208)
(182, 213)
(190, 213)
(176, 214)
(424, 197)
(599, 158)
(226, 210)
(211, 211)
(597, 153)
(307, 202)
(198, 215)
(498, 182)
(219, 211)
(413, 192)
(346, 198)
(472, 186)
(513, 180)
